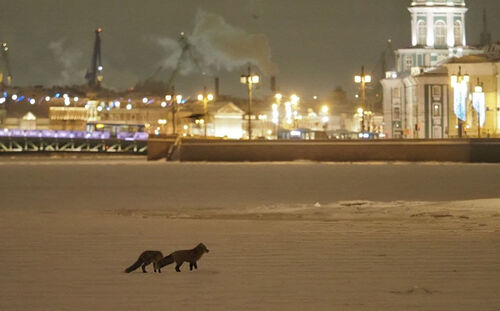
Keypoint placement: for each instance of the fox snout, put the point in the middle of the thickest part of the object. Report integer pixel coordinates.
(207, 250)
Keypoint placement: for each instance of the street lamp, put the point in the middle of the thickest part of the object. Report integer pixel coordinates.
(363, 79)
(250, 79)
(478, 102)
(174, 103)
(276, 113)
(460, 86)
(205, 98)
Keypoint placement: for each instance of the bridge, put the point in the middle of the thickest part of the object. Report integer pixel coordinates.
(33, 141)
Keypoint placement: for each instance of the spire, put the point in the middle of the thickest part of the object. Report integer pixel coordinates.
(485, 35)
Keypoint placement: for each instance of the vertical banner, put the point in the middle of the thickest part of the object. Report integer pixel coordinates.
(460, 100)
(479, 103)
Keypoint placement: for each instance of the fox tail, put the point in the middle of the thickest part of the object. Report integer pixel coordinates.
(136, 265)
(166, 261)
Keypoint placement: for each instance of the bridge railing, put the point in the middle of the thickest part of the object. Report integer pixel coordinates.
(24, 141)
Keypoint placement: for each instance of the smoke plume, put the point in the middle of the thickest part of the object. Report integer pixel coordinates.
(70, 62)
(217, 45)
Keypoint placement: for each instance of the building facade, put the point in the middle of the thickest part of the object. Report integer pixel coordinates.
(415, 92)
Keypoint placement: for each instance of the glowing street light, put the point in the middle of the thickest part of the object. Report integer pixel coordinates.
(363, 79)
(178, 100)
(250, 79)
(205, 98)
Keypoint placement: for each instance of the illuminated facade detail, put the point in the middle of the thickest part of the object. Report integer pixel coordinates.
(460, 94)
(478, 99)
(479, 104)
(422, 33)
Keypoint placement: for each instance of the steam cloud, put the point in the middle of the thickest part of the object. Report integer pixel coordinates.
(215, 44)
(69, 60)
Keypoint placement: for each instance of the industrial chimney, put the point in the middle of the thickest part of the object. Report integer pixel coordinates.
(216, 89)
(273, 84)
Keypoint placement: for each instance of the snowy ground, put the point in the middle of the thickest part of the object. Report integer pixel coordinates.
(376, 236)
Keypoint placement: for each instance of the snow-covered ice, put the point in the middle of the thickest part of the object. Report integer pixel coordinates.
(296, 236)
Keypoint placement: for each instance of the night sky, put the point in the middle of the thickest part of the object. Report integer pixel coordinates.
(315, 44)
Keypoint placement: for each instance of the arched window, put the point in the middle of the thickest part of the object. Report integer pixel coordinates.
(440, 34)
(422, 32)
(458, 33)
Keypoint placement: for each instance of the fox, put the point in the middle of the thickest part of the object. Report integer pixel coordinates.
(189, 255)
(146, 258)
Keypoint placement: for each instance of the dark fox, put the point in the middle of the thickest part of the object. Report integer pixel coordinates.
(146, 258)
(189, 255)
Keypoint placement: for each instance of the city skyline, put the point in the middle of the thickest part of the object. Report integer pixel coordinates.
(135, 35)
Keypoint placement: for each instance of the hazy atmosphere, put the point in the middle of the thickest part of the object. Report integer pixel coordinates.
(314, 45)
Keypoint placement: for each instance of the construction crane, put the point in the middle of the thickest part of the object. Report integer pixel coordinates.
(94, 75)
(187, 52)
(5, 58)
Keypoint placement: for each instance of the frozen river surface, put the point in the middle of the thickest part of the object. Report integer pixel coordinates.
(101, 184)
(299, 236)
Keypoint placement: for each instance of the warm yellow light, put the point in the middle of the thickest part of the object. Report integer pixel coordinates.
(99, 126)
(179, 98)
(368, 79)
(274, 106)
(168, 97)
(185, 127)
(255, 79)
(357, 79)
(466, 78)
(210, 97)
(244, 79)
(200, 97)
(478, 89)
(294, 98)
(324, 109)
(162, 121)
(278, 96)
(360, 110)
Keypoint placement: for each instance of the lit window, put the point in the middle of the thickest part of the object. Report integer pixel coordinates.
(409, 61)
(440, 34)
(436, 110)
(422, 32)
(458, 33)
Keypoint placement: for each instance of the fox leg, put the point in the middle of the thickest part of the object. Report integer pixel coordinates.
(191, 265)
(177, 267)
(144, 268)
(195, 265)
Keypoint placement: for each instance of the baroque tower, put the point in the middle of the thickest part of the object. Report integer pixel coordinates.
(437, 33)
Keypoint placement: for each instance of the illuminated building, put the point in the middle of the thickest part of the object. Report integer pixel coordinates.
(415, 91)
(481, 93)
